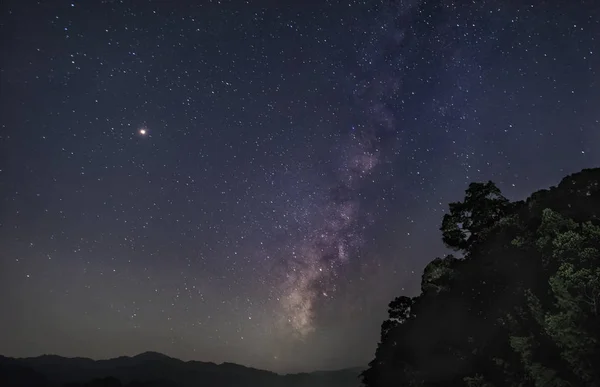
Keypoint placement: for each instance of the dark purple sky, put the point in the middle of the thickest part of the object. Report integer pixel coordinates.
(294, 168)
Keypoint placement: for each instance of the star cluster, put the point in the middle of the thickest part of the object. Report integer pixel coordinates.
(253, 183)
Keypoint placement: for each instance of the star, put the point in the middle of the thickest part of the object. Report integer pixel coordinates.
(143, 132)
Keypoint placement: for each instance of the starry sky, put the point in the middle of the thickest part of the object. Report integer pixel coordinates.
(250, 182)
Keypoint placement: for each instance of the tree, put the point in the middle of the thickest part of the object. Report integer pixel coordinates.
(519, 308)
(438, 274)
(483, 206)
(399, 313)
(569, 315)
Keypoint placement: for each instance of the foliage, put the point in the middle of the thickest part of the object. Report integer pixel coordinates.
(520, 307)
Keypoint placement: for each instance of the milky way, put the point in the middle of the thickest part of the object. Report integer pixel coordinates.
(317, 257)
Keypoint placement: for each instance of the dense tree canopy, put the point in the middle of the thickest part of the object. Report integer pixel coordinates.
(519, 307)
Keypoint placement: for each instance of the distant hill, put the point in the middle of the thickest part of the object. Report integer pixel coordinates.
(155, 369)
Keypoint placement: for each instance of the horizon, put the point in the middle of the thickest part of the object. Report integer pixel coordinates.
(182, 360)
(255, 184)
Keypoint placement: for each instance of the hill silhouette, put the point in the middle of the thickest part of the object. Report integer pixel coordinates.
(155, 369)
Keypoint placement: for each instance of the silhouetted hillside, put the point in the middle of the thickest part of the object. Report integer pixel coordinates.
(155, 369)
(519, 306)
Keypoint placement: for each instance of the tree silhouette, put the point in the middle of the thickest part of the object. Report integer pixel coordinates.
(483, 206)
(520, 307)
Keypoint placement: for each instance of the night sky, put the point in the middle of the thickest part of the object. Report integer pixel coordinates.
(253, 183)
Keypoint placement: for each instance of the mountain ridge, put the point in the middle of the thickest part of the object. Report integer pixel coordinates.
(153, 355)
(149, 367)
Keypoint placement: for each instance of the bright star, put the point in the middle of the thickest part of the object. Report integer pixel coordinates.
(143, 132)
